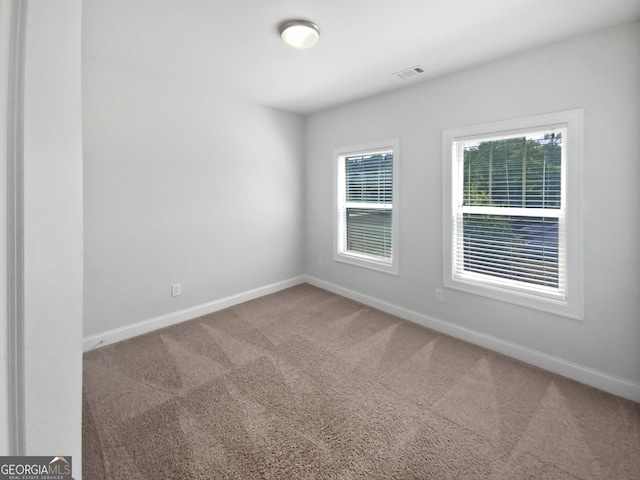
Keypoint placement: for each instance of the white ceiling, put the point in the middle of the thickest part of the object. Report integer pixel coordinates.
(234, 46)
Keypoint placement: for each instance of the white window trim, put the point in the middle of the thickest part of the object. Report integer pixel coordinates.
(362, 260)
(572, 305)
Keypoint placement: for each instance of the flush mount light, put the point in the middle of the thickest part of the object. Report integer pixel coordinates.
(299, 33)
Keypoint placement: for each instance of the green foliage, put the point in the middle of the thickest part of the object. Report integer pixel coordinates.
(514, 172)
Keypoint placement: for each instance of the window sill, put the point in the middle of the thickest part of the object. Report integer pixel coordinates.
(365, 262)
(556, 306)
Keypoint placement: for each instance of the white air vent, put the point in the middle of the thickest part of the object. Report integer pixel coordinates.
(410, 72)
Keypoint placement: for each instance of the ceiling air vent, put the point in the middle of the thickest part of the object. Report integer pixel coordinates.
(410, 72)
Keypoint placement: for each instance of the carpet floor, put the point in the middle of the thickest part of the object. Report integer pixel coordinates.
(305, 384)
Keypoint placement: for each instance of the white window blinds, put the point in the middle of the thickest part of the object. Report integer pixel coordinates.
(368, 204)
(508, 227)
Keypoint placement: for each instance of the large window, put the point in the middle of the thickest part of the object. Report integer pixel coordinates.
(512, 211)
(366, 219)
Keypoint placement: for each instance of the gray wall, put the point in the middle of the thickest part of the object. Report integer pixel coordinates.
(183, 186)
(599, 73)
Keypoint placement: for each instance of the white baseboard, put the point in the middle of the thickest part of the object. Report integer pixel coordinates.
(146, 326)
(601, 380)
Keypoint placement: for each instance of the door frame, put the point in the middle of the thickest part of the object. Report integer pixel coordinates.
(13, 16)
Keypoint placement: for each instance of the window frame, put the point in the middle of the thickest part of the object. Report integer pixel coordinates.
(340, 253)
(570, 303)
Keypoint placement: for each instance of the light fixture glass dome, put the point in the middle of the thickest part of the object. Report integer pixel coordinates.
(299, 33)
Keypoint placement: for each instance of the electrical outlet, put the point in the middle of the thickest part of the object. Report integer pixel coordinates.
(176, 290)
(439, 295)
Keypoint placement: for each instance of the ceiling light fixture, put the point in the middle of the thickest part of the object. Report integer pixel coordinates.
(299, 33)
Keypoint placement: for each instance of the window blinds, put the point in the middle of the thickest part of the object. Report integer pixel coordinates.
(367, 207)
(509, 218)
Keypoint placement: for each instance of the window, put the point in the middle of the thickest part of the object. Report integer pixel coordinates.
(366, 213)
(512, 218)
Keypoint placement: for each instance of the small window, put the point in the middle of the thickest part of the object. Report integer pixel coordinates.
(512, 211)
(366, 214)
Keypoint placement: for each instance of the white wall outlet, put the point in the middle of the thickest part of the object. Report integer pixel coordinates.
(176, 290)
(439, 295)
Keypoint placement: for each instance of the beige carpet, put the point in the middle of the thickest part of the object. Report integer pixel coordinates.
(306, 384)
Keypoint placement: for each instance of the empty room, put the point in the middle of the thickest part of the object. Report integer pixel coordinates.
(302, 239)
